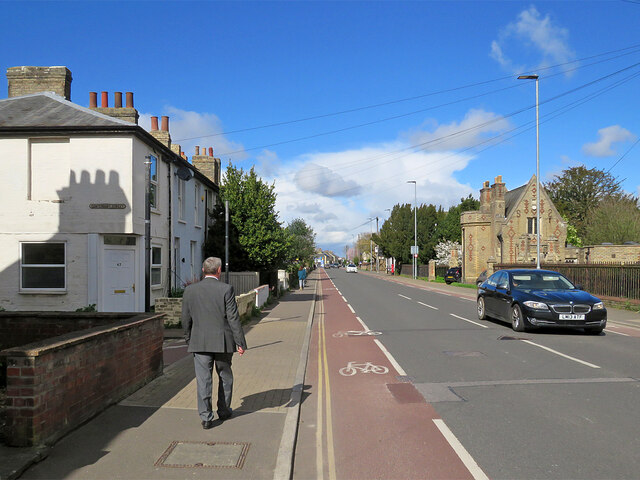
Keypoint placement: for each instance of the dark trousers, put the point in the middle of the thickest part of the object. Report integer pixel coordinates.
(204, 364)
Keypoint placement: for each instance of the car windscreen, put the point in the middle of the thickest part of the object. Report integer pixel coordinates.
(541, 281)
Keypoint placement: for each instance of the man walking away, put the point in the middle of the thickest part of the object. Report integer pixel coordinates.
(213, 332)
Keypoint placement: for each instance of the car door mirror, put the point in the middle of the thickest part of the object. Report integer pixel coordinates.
(579, 286)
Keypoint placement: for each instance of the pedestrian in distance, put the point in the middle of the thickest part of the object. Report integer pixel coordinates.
(213, 332)
(302, 275)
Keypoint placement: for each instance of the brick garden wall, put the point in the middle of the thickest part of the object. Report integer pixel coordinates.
(20, 328)
(55, 385)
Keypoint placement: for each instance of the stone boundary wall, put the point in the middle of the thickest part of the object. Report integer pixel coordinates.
(20, 328)
(172, 307)
(55, 385)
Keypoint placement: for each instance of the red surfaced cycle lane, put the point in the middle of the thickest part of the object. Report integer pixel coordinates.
(370, 422)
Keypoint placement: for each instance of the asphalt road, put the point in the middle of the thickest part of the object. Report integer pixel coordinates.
(544, 405)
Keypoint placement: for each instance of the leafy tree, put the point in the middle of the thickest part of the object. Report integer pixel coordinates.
(615, 221)
(302, 242)
(579, 190)
(450, 228)
(572, 236)
(257, 239)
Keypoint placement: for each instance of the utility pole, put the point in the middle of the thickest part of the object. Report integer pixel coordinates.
(226, 241)
(377, 250)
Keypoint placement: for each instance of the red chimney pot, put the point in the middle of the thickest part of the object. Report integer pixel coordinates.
(93, 99)
(197, 150)
(129, 99)
(165, 123)
(105, 100)
(117, 100)
(211, 151)
(154, 123)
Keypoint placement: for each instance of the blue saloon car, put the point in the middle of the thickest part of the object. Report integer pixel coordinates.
(529, 298)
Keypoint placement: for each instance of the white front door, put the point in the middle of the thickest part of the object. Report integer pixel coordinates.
(118, 285)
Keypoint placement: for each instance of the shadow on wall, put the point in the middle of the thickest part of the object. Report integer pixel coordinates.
(54, 254)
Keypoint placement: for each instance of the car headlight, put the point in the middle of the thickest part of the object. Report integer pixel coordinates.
(598, 306)
(536, 305)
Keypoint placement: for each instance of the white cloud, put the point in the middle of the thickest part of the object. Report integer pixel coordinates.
(322, 180)
(379, 173)
(535, 39)
(456, 135)
(194, 128)
(607, 137)
(268, 163)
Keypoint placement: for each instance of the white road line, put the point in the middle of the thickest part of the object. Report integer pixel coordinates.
(364, 325)
(435, 308)
(617, 333)
(345, 300)
(351, 308)
(395, 364)
(466, 458)
(561, 354)
(470, 321)
(400, 295)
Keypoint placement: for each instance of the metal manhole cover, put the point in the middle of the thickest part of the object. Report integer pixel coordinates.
(505, 337)
(464, 354)
(405, 378)
(204, 455)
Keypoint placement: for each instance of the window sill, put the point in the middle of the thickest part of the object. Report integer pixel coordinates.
(155, 211)
(156, 287)
(42, 292)
(198, 226)
(182, 221)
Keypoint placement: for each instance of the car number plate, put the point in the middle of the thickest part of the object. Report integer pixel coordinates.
(571, 316)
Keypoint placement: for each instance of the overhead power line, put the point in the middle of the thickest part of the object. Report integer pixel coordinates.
(416, 97)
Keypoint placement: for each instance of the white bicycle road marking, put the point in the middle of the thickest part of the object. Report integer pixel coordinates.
(356, 333)
(467, 320)
(352, 368)
(561, 354)
(424, 304)
(403, 296)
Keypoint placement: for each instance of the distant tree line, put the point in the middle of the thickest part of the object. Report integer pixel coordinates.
(258, 241)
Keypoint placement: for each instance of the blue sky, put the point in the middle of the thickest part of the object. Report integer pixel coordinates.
(368, 95)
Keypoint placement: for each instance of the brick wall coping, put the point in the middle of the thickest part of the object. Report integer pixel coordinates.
(66, 340)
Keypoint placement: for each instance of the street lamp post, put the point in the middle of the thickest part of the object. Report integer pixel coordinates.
(536, 78)
(371, 244)
(415, 228)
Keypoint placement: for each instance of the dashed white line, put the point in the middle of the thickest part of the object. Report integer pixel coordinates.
(467, 320)
(561, 354)
(400, 295)
(364, 325)
(351, 308)
(392, 360)
(617, 333)
(462, 453)
(435, 308)
(345, 300)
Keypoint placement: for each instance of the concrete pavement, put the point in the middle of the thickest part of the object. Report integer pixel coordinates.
(156, 432)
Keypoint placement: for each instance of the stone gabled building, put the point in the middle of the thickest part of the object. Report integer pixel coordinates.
(504, 229)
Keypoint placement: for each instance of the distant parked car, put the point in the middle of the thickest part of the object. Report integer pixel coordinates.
(529, 298)
(352, 268)
(453, 275)
(481, 278)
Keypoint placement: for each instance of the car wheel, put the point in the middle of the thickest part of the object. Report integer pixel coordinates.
(482, 313)
(517, 320)
(448, 283)
(594, 331)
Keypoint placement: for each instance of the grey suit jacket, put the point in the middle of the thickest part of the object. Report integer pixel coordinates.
(210, 317)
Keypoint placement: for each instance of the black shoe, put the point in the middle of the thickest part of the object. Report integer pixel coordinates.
(207, 424)
(225, 416)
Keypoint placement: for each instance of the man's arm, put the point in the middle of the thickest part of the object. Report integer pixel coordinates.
(186, 319)
(233, 318)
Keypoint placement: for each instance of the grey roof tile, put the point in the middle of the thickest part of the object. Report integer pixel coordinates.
(46, 109)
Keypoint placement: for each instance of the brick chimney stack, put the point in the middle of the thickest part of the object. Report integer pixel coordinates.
(27, 80)
(208, 165)
(498, 191)
(128, 113)
(162, 134)
(485, 198)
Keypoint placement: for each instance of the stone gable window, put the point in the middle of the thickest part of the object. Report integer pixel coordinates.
(532, 226)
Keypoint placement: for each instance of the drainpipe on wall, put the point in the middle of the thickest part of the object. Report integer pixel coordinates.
(170, 217)
(147, 236)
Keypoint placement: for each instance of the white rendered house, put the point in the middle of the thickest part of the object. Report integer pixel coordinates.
(73, 209)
